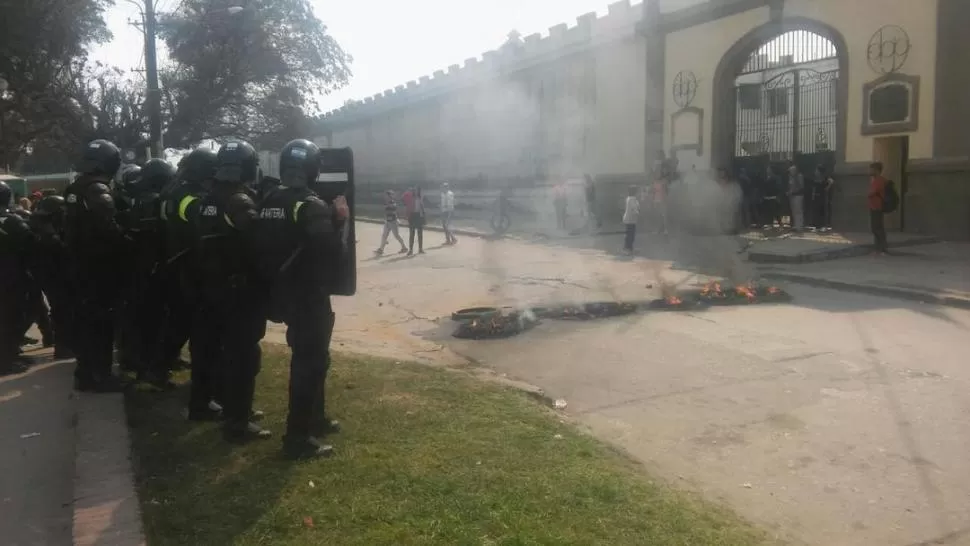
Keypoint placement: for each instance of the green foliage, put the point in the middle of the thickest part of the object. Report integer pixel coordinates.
(42, 48)
(250, 73)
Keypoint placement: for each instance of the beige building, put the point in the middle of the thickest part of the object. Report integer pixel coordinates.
(732, 83)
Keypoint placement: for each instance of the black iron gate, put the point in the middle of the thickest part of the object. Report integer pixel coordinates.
(787, 104)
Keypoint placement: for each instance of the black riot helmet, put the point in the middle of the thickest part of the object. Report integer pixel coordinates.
(5, 195)
(237, 163)
(299, 163)
(130, 175)
(155, 175)
(50, 206)
(198, 166)
(100, 158)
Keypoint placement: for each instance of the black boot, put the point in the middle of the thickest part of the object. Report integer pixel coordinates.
(102, 385)
(244, 433)
(325, 428)
(306, 448)
(204, 415)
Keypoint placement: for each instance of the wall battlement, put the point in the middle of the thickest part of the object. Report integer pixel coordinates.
(621, 20)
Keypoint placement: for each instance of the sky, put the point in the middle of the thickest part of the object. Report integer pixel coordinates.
(391, 41)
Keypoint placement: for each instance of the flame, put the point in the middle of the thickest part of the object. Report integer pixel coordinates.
(673, 300)
(745, 291)
(712, 288)
(774, 290)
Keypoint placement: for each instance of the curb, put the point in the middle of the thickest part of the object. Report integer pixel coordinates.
(851, 251)
(897, 293)
(106, 509)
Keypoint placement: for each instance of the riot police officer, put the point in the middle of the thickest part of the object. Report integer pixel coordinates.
(15, 245)
(96, 248)
(147, 297)
(231, 303)
(179, 212)
(48, 266)
(127, 332)
(298, 244)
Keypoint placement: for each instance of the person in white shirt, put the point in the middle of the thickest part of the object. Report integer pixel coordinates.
(631, 214)
(447, 212)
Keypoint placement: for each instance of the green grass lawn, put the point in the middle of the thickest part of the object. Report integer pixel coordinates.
(426, 456)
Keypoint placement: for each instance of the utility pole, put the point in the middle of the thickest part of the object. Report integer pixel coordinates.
(153, 96)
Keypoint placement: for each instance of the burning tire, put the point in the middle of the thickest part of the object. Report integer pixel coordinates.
(474, 313)
(747, 294)
(498, 325)
(675, 303)
(773, 294)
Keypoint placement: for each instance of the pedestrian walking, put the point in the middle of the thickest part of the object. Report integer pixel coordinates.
(390, 224)
(416, 217)
(877, 205)
(796, 197)
(631, 214)
(447, 213)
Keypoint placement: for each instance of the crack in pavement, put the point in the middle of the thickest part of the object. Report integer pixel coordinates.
(412, 315)
(548, 280)
(681, 392)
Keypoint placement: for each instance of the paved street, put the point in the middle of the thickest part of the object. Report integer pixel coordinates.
(839, 420)
(37, 457)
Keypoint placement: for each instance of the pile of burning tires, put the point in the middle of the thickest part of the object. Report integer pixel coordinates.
(482, 323)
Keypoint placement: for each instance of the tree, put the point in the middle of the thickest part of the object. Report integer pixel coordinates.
(104, 104)
(42, 48)
(252, 73)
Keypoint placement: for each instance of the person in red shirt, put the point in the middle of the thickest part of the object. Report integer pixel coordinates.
(877, 196)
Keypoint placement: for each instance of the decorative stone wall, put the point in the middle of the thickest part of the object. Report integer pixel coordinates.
(537, 110)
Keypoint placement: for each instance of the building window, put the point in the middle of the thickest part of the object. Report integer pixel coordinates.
(749, 96)
(777, 102)
(889, 104)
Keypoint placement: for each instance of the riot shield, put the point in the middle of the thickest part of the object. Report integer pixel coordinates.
(337, 178)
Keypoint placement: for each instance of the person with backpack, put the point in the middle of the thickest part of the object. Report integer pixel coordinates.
(883, 199)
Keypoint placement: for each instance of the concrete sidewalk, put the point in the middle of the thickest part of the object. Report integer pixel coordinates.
(67, 478)
(37, 412)
(937, 273)
(776, 247)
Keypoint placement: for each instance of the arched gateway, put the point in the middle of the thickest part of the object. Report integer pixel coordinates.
(780, 98)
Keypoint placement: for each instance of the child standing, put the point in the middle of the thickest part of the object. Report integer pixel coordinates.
(631, 214)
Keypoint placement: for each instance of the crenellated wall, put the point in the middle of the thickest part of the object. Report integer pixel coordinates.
(588, 31)
(546, 108)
